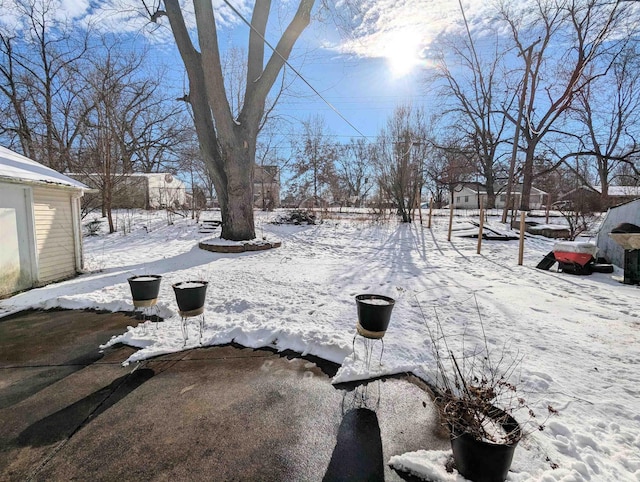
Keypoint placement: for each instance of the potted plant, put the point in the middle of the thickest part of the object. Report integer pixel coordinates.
(144, 290)
(374, 314)
(190, 296)
(483, 436)
(477, 401)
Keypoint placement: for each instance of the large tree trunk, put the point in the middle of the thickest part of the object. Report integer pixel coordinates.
(491, 199)
(236, 204)
(228, 143)
(491, 195)
(527, 175)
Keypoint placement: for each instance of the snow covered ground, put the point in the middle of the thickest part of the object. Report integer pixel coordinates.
(578, 336)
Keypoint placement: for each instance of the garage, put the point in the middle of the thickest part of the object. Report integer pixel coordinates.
(40, 228)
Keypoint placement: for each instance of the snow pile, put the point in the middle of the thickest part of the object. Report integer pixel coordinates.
(578, 335)
(428, 464)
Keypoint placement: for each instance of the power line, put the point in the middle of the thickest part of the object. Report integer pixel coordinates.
(292, 68)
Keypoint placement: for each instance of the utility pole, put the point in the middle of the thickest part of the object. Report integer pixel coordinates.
(516, 136)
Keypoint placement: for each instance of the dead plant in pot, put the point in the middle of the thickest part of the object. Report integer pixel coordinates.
(476, 395)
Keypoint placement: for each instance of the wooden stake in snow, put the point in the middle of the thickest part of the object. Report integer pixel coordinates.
(548, 208)
(521, 250)
(430, 212)
(450, 220)
(480, 228)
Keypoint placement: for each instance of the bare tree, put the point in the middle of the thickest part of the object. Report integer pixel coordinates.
(122, 124)
(157, 136)
(400, 159)
(355, 169)
(584, 32)
(272, 157)
(474, 91)
(195, 171)
(579, 214)
(609, 111)
(447, 167)
(314, 163)
(228, 142)
(629, 173)
(41, 60)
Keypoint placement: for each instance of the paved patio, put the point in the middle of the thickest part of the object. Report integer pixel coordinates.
(69, 412)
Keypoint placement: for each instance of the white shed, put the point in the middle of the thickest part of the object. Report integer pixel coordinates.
(164, 190)
(625, 213)
(40, 229)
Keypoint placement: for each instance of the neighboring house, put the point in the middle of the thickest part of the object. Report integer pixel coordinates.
(472, 195)
(266, 187)
(625, 213)
(138, 190)
(40, 224)
(590, 198)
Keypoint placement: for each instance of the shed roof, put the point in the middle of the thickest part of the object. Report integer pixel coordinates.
(621, 191)
(612, 191)
(16, 167)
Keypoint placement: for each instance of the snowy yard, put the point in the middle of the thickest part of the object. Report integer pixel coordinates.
(579, 336)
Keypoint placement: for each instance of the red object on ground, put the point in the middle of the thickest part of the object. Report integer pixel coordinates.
(574, 252)
(567, 257)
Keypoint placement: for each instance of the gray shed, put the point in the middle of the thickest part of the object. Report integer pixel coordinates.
(624, 213)
(40, 225)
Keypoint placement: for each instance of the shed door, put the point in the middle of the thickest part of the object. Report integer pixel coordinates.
(15, 253)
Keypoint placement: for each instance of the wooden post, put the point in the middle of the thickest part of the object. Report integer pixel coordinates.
(480, 228)
(450, 221)
(522, 230)
(430, 212)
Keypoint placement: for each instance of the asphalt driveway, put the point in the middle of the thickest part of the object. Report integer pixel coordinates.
(69, 412)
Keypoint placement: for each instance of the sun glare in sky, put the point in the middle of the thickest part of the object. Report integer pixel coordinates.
(401, 51)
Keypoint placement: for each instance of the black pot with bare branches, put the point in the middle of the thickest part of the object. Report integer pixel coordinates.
(486, 457)
(477, 401)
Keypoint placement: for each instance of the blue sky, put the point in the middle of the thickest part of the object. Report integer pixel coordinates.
(365, 64)
(364, 70)
(363, 91)
(362, 79)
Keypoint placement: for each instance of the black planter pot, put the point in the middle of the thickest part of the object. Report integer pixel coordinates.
(144, 290)
(374, 313)
(190, 296)
(481, 461)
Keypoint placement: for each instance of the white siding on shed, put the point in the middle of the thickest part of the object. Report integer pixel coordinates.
(607, 247)
(39, 223)
(165, 190)
(55, 236)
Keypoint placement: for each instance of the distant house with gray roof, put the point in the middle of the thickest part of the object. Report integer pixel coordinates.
(472, 195)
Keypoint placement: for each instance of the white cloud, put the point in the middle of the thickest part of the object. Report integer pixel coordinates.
(73, 8)
(56, 10)
(381, 26)
(118, 16)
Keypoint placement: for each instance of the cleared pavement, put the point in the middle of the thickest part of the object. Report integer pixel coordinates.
(69, 412)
